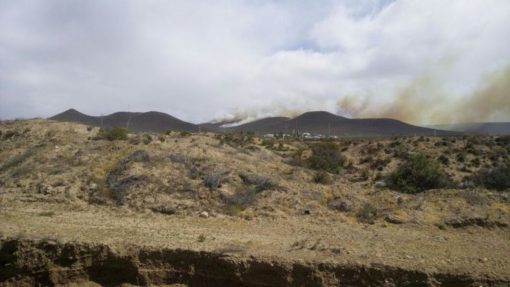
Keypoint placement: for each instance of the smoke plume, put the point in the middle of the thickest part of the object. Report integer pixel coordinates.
(424, 101)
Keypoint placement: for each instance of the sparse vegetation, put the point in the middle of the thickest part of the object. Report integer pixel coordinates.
(417, 174)
(147, 139)
(46, 213)
(17, 159)
(235, 139)
(261, 183)
(214, 180)
(241, 198)
(195, 188)
(368, 214)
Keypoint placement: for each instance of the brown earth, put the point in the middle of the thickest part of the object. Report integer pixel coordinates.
(205, 211)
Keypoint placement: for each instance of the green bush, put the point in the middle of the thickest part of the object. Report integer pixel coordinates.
(326, 156)
(418, 174)
(112, 134)
(497, 178)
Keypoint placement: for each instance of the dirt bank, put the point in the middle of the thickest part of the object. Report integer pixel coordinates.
(49, 263)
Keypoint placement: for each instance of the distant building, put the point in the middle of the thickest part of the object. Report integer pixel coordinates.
(306, 135)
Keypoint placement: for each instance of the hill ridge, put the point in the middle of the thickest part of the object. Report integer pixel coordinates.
(314, 122)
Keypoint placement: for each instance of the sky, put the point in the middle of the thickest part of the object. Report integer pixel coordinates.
(420, 61)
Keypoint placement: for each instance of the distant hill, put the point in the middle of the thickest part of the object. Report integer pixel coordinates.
(265, 125)
(318, 122)
(494, 128)
(75, 116)
(326, 123)
(149, 121)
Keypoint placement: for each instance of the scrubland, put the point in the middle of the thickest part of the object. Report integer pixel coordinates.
(435, 205)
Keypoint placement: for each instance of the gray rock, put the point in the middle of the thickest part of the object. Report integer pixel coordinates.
(341, 204)
(394, 219)
(380, 184)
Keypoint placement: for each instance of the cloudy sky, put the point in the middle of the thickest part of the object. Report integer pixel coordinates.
(423, 61)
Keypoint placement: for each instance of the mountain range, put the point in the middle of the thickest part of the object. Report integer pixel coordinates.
(317, 122)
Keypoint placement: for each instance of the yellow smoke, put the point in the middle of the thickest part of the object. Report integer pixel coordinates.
(424, 101)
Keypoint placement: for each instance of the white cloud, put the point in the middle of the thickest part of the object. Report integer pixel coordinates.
(203, 59)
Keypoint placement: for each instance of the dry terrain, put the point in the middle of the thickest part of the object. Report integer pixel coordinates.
(218, 210)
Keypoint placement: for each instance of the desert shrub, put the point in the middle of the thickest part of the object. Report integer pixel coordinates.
(185, 134)
(260, 182)
(443, 159)
(418, 174)
(364, 174)
(326, 156)
(464, 168)
(112, 134)
(474, 197)
(242, 198)
(46, 213)
(235, 139)
(161, 138)
(17, 159)
(135, 140)
(380, 163)
(10, 134)
(476, 162)
(215, 179)
(322, 177)
(296, 158)
(497, 178)
(367, 214)
(268, 143)
(401, 152)
(503, 140)
(90, 128)
(22, 170)
(147, 139)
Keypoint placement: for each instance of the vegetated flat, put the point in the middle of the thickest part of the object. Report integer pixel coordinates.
(251, 196)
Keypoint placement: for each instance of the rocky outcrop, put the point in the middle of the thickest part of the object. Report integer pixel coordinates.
(49, 263)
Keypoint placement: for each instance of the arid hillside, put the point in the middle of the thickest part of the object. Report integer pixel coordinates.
(434, 208)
